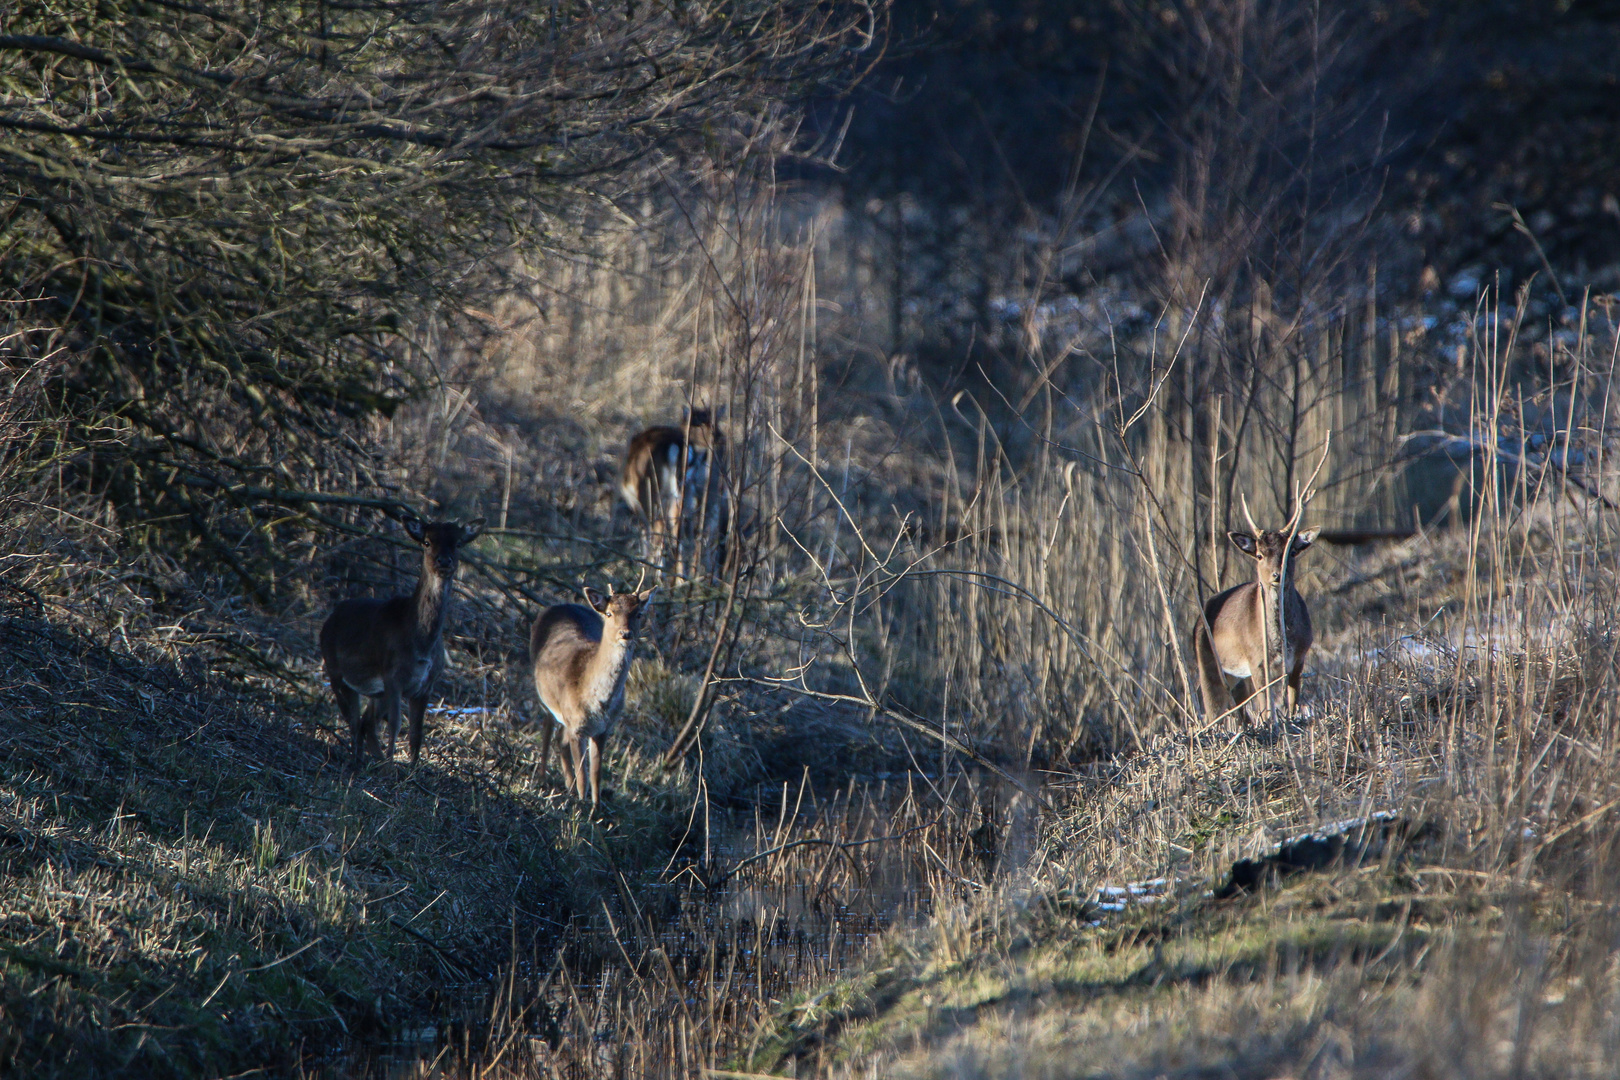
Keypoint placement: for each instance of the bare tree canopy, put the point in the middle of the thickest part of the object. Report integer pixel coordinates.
(228, 212)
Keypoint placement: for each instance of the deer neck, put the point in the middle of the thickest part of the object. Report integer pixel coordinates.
(1274, 604)
(431, 602)
(608, 668)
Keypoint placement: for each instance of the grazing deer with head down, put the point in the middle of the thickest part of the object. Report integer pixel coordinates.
(1255, 632)
(674, 478)
(580, 657)
(391, 651)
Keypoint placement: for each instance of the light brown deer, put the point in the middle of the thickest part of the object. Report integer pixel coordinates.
(580, 657)
(1255, 632)
(674, 479)
(391, 650)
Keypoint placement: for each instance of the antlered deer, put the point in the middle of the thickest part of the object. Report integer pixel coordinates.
(580, 657)
(392, 650)
(1255, 632)
(674, 478)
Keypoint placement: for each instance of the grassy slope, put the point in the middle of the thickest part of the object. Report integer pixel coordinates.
(1398, 966)
(190, 885)
(1481, 946)
(1251, 986)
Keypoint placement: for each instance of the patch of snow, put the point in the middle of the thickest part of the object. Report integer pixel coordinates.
(1115, 898)
(1338, 828)
(1409, 647)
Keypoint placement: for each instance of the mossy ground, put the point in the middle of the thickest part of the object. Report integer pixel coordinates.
(1378, 969)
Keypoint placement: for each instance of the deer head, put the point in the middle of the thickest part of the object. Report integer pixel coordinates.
(623, 611)
(442, 542)
(1274, 551)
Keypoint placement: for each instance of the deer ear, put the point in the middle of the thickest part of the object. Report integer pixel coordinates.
(645, 595)
(413, 528)
(1305, 538)
(471, 530)
(596, 600)
(1245, 543)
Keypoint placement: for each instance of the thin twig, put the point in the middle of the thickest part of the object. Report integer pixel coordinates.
(840, 845)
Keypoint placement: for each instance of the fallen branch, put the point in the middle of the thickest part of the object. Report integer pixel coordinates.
(841, 845)
(435, 946)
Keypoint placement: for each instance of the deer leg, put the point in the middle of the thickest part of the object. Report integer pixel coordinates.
(368, 728)
(550, 725)
(1293, 692)
(596, 769)
(348, 702)
(1211, 682)
(716, 526)
(565, 754)
(1241, 692)
(390, 710)
(581, 744)
(719, 549)
(1220, 698)
(417, 706)
(652, 539)
(671, 532)
(691, 545)
(651, 546)
(649, 538)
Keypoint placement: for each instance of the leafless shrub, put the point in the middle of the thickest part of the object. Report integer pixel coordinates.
(238, 219)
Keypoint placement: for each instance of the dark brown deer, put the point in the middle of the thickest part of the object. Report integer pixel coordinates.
(674, 479)
(1256, 632)
(580, 657)
(391, 651)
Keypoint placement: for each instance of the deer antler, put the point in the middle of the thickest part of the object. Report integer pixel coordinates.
(1248, 516)
(640, 579)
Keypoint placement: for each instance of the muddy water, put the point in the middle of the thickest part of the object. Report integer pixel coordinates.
(683, 974)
